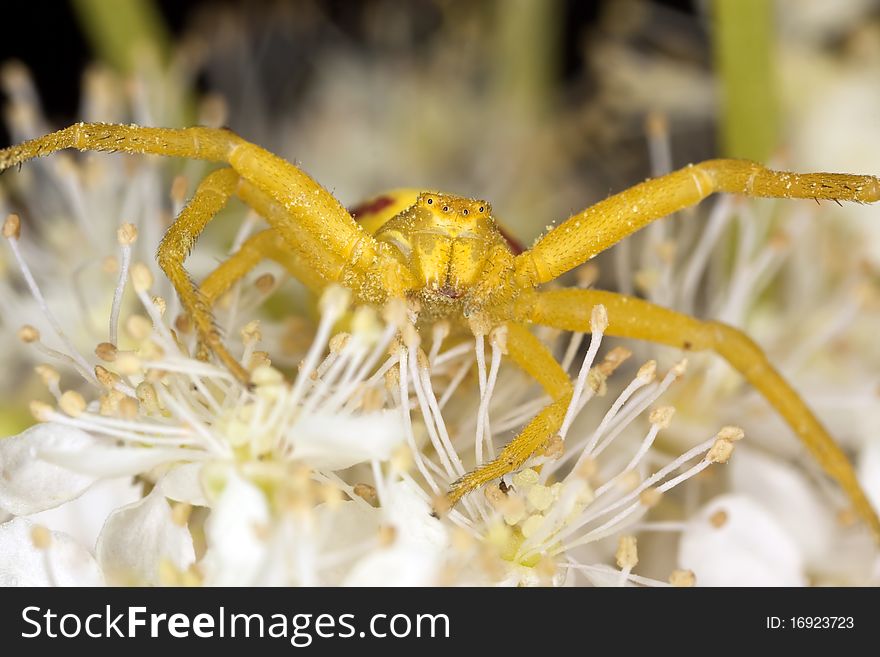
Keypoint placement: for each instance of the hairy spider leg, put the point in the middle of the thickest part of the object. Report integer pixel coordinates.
(267, 243)
(210, 198)
(305, 207)
(588, 233)
(318, 211)
(534, 359)
(296, 250)
(630, 317)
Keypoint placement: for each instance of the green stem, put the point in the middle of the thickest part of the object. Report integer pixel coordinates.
(118, 29)
(744, 62)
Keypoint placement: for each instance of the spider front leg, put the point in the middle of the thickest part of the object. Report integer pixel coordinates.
(588, 233)
(629, 317)
(210, 197)
(265, 244)
(535, 359)
(295, 249)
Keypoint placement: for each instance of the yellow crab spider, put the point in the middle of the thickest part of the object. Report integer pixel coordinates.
(448, 253)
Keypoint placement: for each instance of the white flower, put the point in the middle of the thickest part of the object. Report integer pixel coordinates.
(31, 555)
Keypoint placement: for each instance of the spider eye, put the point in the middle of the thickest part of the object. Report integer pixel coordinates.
(445, 208)
(465, 212)
(430, 201)
(482, 209)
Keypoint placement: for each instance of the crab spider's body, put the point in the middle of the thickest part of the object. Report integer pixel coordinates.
(448, 254)
(459, 261)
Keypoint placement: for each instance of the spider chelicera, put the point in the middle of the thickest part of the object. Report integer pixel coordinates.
(448, 253)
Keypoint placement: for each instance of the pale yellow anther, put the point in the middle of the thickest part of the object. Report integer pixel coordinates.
(334, 301)
(259, 359)
(498, 338)
(12, 227)
(680, 368)
(555, 447)
(410, 335)
(106, 351)
(110, 265)
(147, 396)
(138, 327)
(365, 323)
(627, 554)
(128, 408)
(339, 342)
(513, 510)
(28, 334)
(587, 468)
(662, 416)
(523, 479)
(128, 363)
(41, 410)
(720, 451)
(141, 277)
(72, 403)
(598, 319)
(105, 377)
(366, 492)
(267, 376)
(387, 536)
(682, 578)
(614, 359)
(41, 537)
(531, 525)
(650, 497)
(251, 333)
(494, 495)
(598, 381)
(401, 459)
(126, 234)
(48, 375)
(330, 495)
(647, 372)
(265, 283)
(540, 497)
(395, 313)
(731, 433)
(718, 519)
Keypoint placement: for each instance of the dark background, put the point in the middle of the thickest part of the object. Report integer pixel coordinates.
(46, 36)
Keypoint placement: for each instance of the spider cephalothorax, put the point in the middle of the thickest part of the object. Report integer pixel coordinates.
(450, 245)
(447, 253)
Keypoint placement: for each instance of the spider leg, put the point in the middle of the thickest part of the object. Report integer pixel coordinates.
(374, 273)
(210, 197)
(602, 225)
(535, 359)
(265, 244)
(634, 318)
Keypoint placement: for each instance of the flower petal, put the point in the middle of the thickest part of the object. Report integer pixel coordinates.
(236, 550)
(733, 541)
(784, 491)
(28, 482)
(336, 442)
(416, 556)
(182, 483)
(139, 538)
(104, 460)
(61, 562)
(83, 518)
